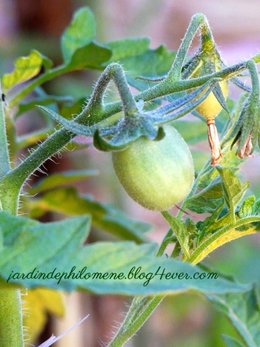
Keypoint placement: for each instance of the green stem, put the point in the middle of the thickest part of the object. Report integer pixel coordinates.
(11, 334)
(167, 239)
(139, 311)
(195, 24)
(254, 78)
(141, 308)
(116, 73)
(167, 87)
(4, 153)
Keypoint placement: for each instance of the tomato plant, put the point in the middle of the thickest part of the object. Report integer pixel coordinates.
(152, 161)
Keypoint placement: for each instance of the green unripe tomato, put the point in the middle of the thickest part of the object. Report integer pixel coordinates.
(156, 174)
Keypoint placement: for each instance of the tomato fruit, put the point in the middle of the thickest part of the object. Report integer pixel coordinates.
(156, 174)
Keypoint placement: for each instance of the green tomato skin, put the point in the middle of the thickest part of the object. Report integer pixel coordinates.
(156, 174)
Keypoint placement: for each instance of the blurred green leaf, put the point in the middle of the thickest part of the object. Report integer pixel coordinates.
(42, 100)
(25, 69)
(78, 46)
(80, 32)
(33, 138)
(26, 251)
(139, 60)
(91, 56)
(46, 62)
(199, 158)
(192, 132)
(243, 311)
(127, 48)
(104, 216)
(231, 342)
(60, 179)
(239, 258)
(69, 110)
(154, 62)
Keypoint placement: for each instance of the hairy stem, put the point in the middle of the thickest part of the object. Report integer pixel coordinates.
(254, 77)
(141, 307)
(116, 73)
(4, 154)
(139, 311)
(195, 24)
(11, 333)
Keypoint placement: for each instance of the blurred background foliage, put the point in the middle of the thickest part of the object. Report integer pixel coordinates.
(183, 320)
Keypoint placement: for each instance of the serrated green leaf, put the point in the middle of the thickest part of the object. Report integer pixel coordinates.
(25, 69)
(230, 160)
(243, 311)
(208, 199)
(233, 188)
(180, 230)
(80, 32)
(231, 342)
(58, 247)
(105, 217)
(223, 231)
(247, 207)
(257, 207)
(60, 179)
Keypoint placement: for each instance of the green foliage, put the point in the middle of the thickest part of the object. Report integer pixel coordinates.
(244, 312)
(231, 342)
(61, 178)
(104, 217)
(192, 131)
(91, 56)
(64, 249)
(160, 75)
(25, 69)
(78, 46)
(80, 32)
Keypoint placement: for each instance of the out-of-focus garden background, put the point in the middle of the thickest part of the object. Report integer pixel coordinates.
(181, 321)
